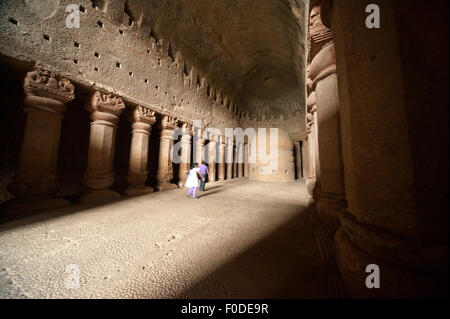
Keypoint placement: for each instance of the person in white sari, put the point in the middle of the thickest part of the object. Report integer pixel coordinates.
(192, 180)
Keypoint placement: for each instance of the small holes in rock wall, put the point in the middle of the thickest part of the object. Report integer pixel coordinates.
(100, 24)
(76, 44)
(96, 69)
(82, 9)
(75, 61)
(157, 87)
(46, 37)
(159, 61)
(120, 31)
(97, 55)
(146, 81)
(148, 51)
(130, 73)
(13, 21)
(118, 65)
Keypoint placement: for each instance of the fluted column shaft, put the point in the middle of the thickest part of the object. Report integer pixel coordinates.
(165, 167)
(221, 164)
(186, 149)
(240, 160)
(229, 163)
(142, 121)
(105, 110)
(246, 164)
(235, 161)
(330, 192)
(212, 160)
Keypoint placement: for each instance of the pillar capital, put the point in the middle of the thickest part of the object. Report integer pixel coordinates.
(169, 123)
(187, 129)
(105, 103)
(143, 114)
(47, 84)
(319, 35)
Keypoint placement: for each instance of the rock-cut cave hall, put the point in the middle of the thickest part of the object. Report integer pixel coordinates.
(323, 125)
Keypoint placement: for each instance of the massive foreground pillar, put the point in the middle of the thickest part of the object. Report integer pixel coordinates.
(329, 192)
(142, 120)
(105, 110)
(165, 167)
(186, 149)
(36, 183)
(396, 181)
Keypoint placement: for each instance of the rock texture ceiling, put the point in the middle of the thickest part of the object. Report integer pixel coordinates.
(252, 49)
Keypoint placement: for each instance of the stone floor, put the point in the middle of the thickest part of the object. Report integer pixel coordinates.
(241, 239)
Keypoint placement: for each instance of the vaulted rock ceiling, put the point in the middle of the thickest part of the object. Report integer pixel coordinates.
(251, 49)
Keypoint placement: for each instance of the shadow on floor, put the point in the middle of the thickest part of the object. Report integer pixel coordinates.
(23, 219)
(284, 264)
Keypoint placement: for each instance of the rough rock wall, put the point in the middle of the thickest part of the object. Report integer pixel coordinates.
(110, 52)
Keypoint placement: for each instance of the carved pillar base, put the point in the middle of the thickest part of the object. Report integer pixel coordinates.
(165, 186)
(408, 269)
(137, 184)
(34, 204)
(329, 207)
(99, 196)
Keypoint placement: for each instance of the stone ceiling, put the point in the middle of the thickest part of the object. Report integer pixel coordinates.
(253, 49)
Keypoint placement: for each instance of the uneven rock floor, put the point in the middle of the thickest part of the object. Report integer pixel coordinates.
(241, 239)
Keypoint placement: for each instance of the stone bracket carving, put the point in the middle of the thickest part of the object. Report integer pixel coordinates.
(108, 103)
(47, 84)
(169, 123)
(143, 114)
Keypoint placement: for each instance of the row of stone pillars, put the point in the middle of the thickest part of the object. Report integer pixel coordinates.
(363, 184)
(35, 184)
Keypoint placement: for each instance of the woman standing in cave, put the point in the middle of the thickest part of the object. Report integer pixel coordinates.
(192, 180)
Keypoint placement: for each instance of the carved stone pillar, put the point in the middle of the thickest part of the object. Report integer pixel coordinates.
(212, 158)
(240, 160)
(246, 164)
(142, 120)
(221, 164)
(165, 167)
(198, 146)
(186, 148)
(298, 159)
(229, 149)
(235, 160)
(105, 110)
(397, 215)
(313, 159)
(330, 192)
(36, 183)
